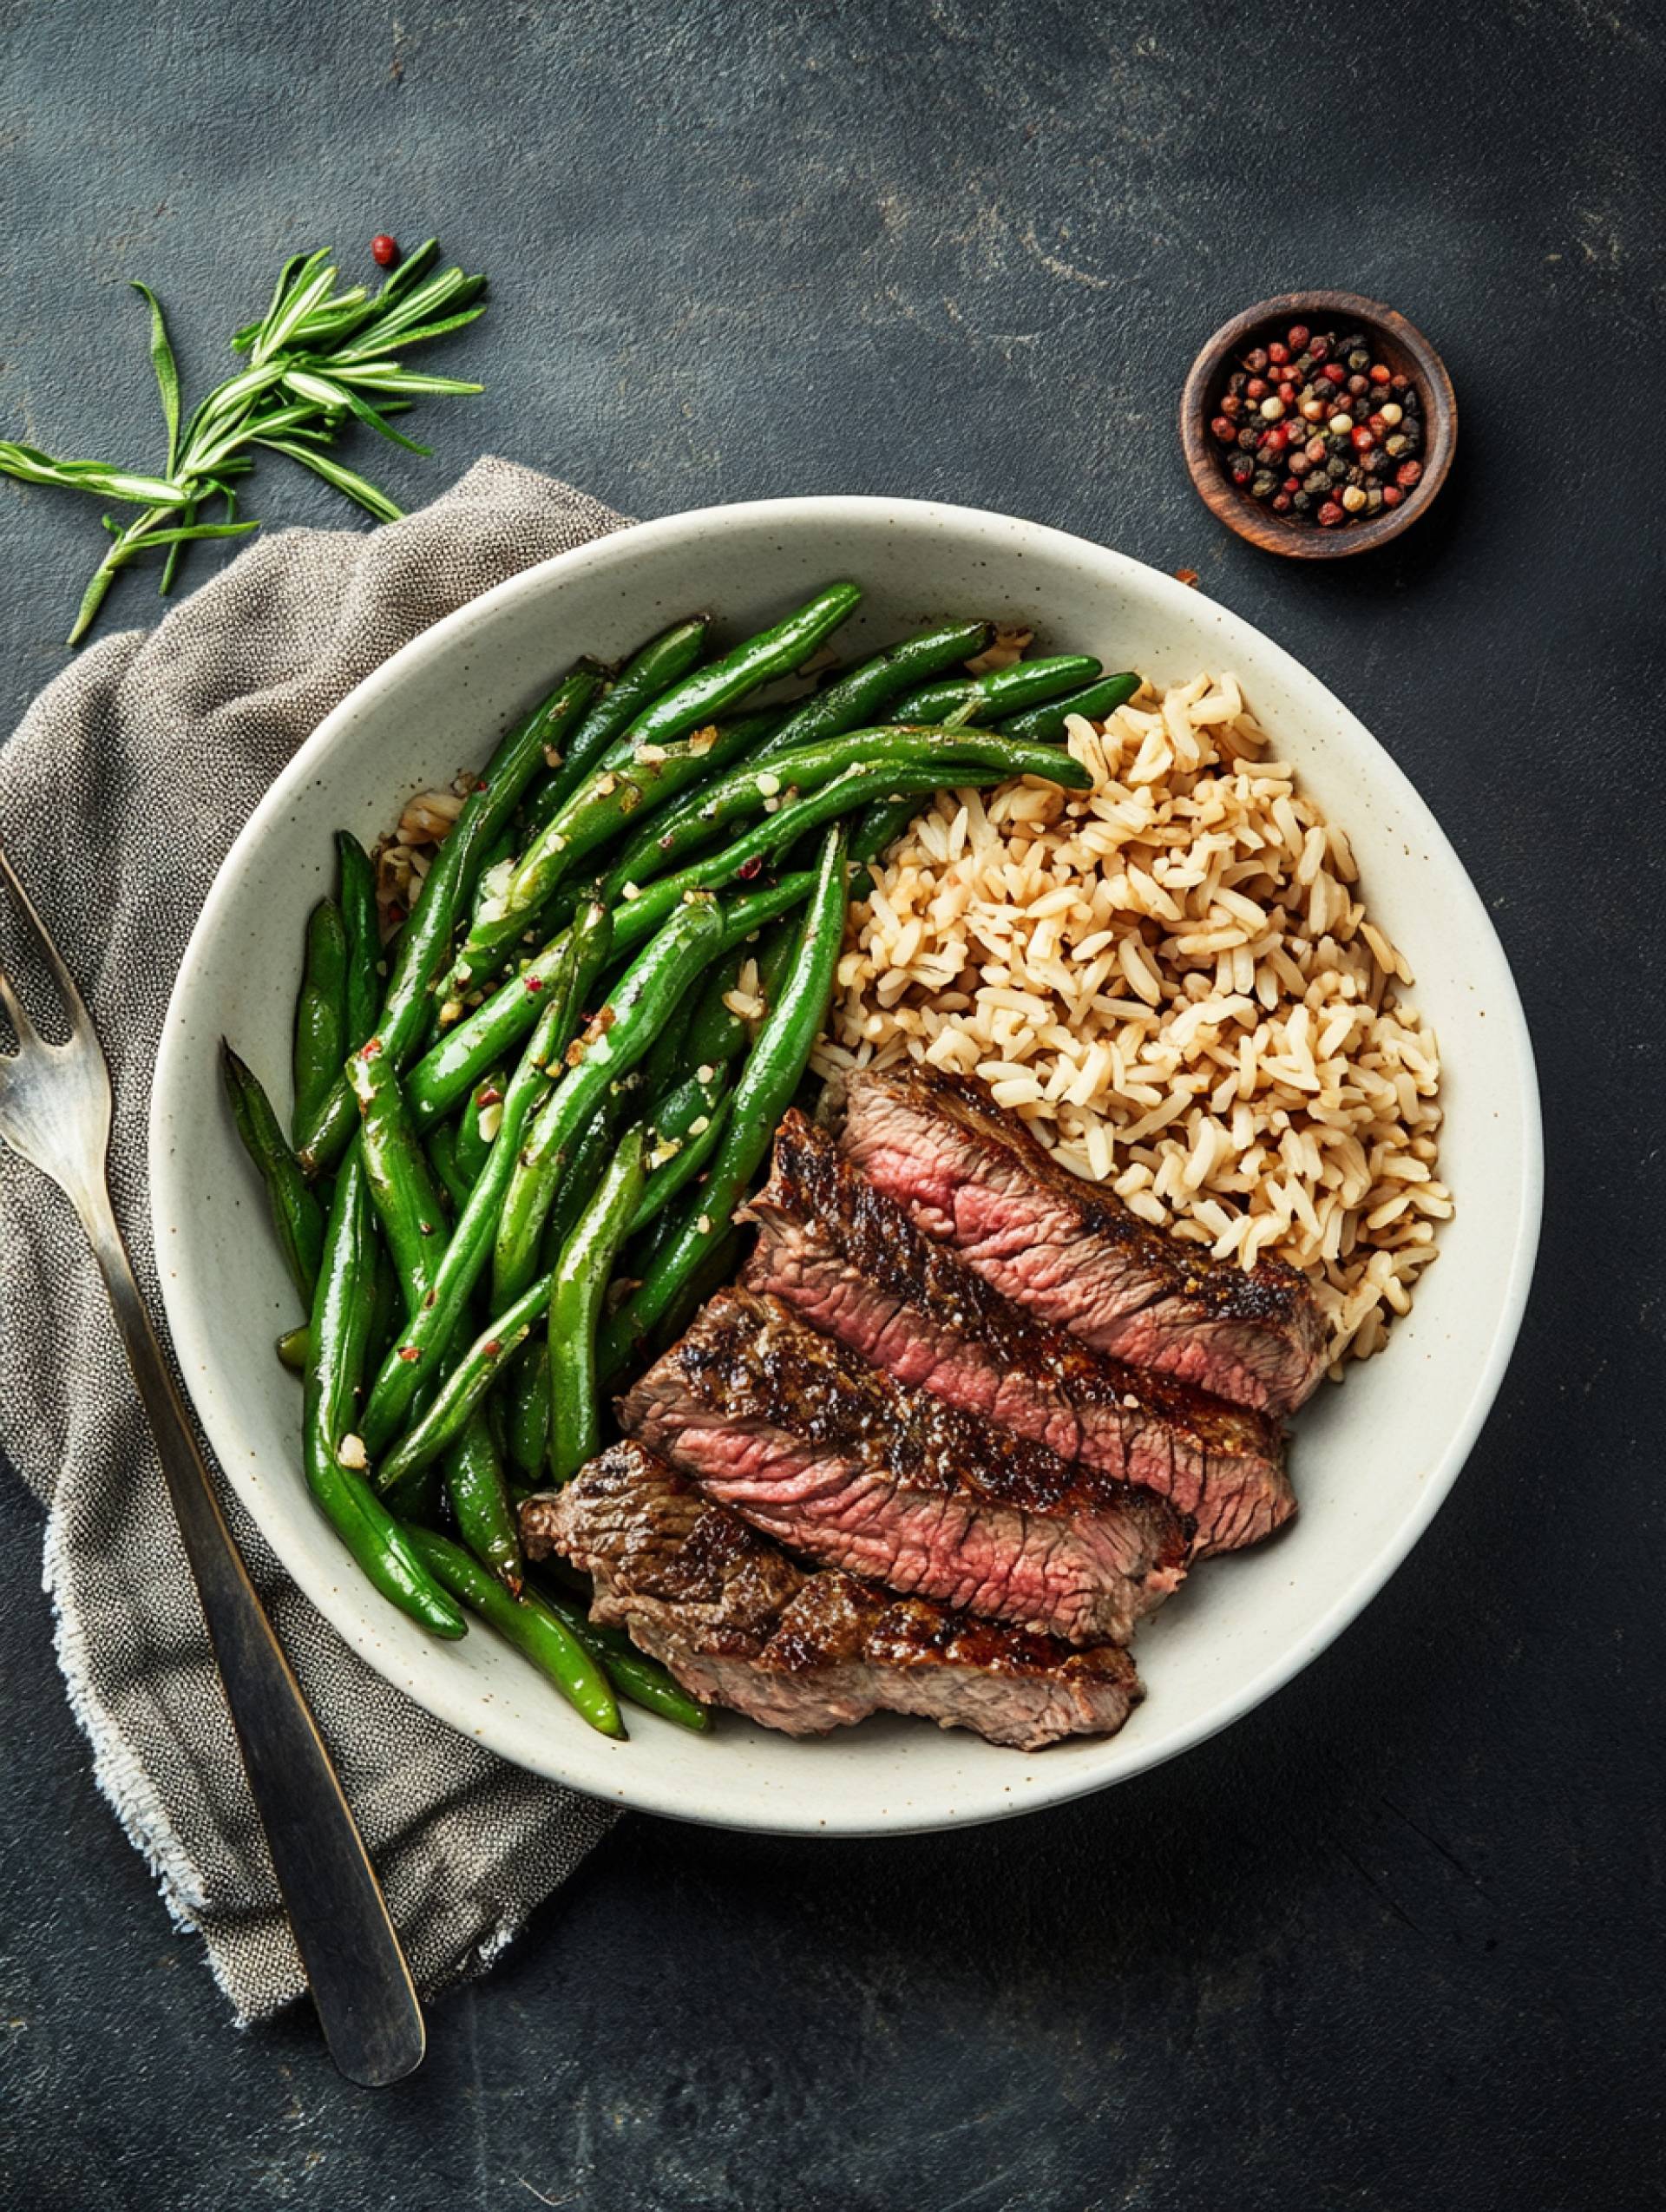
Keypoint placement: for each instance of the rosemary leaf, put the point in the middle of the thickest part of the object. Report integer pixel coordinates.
(313, 361)
(167, 371)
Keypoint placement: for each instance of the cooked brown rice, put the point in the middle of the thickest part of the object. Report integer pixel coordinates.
(1171, 978)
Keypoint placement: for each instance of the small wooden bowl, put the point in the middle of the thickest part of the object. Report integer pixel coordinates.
(1392, 340)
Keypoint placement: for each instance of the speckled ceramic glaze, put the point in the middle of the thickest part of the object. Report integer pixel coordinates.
(1372, 1460)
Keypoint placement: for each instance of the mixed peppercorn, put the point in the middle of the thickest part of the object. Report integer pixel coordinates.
(1322, 432)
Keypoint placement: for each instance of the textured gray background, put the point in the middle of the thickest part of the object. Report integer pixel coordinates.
(1395, 1941)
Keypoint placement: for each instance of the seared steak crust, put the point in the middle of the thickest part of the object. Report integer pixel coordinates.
(850, 1260)
(973, 1177)
(741, 1625)
(834, 1458)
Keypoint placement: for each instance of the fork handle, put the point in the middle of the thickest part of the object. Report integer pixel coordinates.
(361, 1985)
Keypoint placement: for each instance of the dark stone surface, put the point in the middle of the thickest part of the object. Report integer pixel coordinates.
(1395, 1941)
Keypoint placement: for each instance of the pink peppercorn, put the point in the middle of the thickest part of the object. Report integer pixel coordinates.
(1224, 429)
(1380, 374)
(1330, 514)
(1407, 474)
(1299, 337)
(384, 251)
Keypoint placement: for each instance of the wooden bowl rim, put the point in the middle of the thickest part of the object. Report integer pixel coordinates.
(1270, 532)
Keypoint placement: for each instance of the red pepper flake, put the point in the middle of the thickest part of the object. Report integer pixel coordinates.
(489, 1096)
(1186, 576)
(534, 982)
(749, 870)
(409, 1352)
(370, 1051)
(384, 251)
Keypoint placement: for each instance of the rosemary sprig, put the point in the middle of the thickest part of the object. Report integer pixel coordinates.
(317, 359)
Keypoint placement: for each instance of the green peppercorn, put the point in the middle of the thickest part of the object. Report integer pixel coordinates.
(1263, 485)
(1336, 469)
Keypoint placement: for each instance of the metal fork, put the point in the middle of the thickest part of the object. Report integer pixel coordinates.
(55, 1110)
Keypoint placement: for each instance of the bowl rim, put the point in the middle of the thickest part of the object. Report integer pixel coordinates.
(1269, 532)
(338, 1600)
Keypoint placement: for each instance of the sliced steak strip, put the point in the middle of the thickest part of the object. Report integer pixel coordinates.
(741, 1625)
(973, 1176)
(850, 1261)
(837, 1460)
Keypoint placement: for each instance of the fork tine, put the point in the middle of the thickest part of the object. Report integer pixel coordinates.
(27, 1035)
(74, 1004)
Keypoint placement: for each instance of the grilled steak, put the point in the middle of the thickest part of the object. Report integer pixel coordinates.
(851, 1262)
(973, 1177)
(832, 1457)
(741, 1625)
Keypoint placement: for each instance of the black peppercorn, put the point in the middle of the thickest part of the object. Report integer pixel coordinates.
(1312, 375)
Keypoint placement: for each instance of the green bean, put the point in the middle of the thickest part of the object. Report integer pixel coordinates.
(760, 659)
(425, 939)
(858, 784)
(716, 1033)
(581, 1278)
(296, 1214)
(767, 1082)
(388, 1298)
(432, 1327)
(340, 1322)
(713, 1267)
(635, 1676)
(749, 790)
(857, 697)
(879, 825)
(320, 1013)
(402, 1185)
(647, 766)
(1044, 723)
(479, 1495)
(356, 892)
(294, 1347)
(442, 1150)
(998, 691)
(654, 987)
(620, 792)
(528, 1624)
(586, 1164)
(464, 1390)
(650, 670)
(679, 1168)
(439, 1080)
(525, 1424)
(474, 1145)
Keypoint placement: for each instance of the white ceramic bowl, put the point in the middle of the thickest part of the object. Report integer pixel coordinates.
(1371, 1459)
